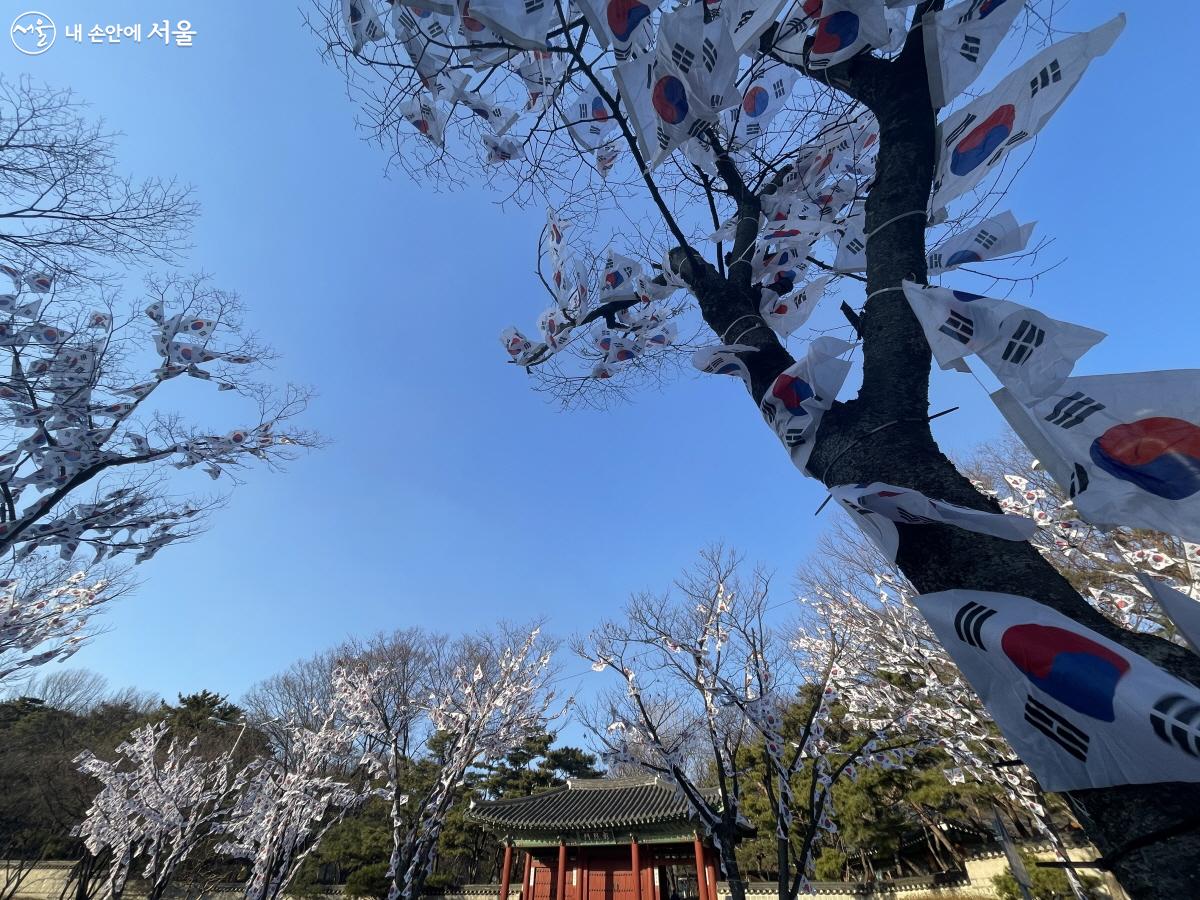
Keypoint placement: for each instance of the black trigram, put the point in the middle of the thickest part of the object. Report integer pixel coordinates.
(958, 327)
(934, 261)
(778, 88)
(953, 136)
(753, 129)
(856, 246)
(715, 100)
(970, 48)
(1023, 342)
(1176, 720)
(532, 6)
(1071, 411)
(968, 623)
(682, 57)
(1079, 481)
(1058, 729)
(1050, 73)
(708, 52)
(663, 139)
(986, 239)
(793, 438)
(741, 22)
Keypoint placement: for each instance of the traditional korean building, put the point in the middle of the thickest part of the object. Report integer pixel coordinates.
(604, 839)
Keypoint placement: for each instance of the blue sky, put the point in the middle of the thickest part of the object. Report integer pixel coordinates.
(451, 494)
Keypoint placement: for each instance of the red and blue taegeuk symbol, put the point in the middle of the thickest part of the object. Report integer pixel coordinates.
(613, 279)
(670, 100)
(983, 140)
(791, 392)
(962, 256)
(599, 110)
(470, 22)
(624, 16)
(1072, 669)
(756, 101)
(835, 32)
(987, 7)
(1160, 455)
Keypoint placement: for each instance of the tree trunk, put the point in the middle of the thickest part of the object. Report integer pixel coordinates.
(895, 399)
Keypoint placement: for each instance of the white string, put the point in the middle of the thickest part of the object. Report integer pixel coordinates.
(753, 327)
(911, 212)
(735, 321)
(883, 291)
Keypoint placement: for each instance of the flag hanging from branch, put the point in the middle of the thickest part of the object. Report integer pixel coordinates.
(524, 24)
(797, 399)
(844, 29)
(425, 116)
(1080, 710)
(764, 98)
(701, 56)
(1182, 610)
(977, 137)
(997, 236)
(960, 40)
(747, 20)
(852, 246)
(589, 118)
(1126, 448)
(784, 314)
(1030, 353)
(658, 107)
(625, 25)
(876, 509)
(363, 23)
(723, 359)
(427, 39)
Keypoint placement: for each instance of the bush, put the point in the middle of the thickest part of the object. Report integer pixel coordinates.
(438, 883)
(370, 881)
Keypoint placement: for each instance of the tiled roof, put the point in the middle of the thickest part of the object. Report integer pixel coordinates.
(589, 803)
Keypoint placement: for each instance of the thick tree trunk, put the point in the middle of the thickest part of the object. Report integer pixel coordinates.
(883, 435)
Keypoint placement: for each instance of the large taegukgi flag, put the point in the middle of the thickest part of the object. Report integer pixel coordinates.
(626, 25)
(1125, 447)
(998, 235)
(960, 40)
(1080, 710)
(798, 398)
(525, 23)
(977, 137)
(659, 107)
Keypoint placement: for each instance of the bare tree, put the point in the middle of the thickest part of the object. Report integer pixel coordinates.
(481, 695)
(536, 103)
(66, 207)
(707, 679)
(75, 690)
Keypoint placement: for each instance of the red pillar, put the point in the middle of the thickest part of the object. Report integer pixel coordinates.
(637, 869)
(562, 871)
(526, 893)
(505, 871)
(712, 878)
(701, 887)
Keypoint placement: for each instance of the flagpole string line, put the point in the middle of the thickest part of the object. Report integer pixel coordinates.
(912, 212)
(863, 437)
(724, 334)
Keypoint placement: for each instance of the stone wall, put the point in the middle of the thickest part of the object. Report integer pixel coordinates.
(48, 879)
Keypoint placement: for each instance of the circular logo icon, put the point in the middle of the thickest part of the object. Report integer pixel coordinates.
(33, 33)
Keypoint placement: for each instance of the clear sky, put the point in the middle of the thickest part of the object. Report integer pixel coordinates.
(451, 494)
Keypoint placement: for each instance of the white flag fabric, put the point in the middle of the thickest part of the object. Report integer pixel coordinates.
(524, 24)
(852, 247)
(996, 236)
(1126, 448)
(701, 56)
(764, 98)
(722, 359)
(960, 40)
(479, 36)
(589, 118)
(1181, 609)
(845, 29)
(784, 314)
(1030, 353)
(658, 108)
(362, 22)
(626, 25)
(425, 116)
(1080, 710)
(977, 137)
(797, 399)
(427, 38)
(502, 149)
(877, 507)
(748, 19)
